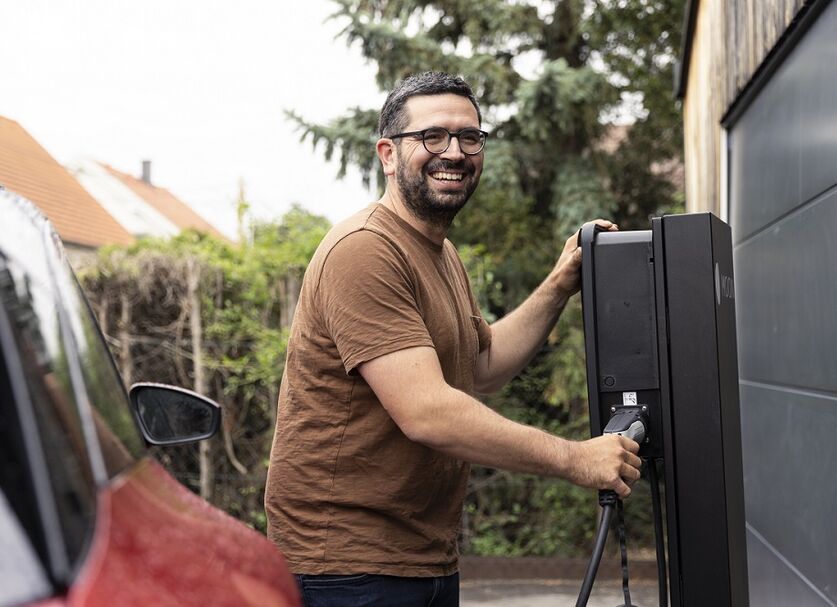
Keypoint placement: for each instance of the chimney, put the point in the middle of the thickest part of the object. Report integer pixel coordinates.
(146, 171)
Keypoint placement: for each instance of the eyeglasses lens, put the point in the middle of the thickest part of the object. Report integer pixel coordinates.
(437, 140)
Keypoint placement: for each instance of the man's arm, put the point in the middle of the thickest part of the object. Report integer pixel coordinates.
(516, 337)
(411, 387)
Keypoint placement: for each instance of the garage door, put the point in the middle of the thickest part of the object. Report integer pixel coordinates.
(783, 212)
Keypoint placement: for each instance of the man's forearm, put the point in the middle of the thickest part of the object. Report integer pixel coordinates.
(410, 385)
(517, 337)
(462, 427)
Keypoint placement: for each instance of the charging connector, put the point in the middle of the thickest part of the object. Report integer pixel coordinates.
(630, 421)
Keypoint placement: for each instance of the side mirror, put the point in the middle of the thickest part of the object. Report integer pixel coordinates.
(169, 415)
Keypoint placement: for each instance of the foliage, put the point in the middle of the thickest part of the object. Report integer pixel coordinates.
(576, 94)
(140, 295)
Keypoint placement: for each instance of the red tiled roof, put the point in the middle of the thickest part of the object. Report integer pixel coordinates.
(176, 211)
(27, 169)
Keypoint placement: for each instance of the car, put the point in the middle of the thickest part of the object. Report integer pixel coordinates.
(87, 515)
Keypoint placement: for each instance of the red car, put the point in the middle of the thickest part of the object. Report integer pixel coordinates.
(86, 516)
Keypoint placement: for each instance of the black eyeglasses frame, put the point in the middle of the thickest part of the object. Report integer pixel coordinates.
(451, 135)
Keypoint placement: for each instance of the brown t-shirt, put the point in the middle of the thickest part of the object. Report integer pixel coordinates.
(347, 492)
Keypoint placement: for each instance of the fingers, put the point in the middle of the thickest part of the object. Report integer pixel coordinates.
(611, 463)
(629, 474)
(572, 241)
(606, 224)
(630, 445)
(622, 489)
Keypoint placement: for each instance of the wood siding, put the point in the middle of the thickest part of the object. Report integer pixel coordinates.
(730, 41)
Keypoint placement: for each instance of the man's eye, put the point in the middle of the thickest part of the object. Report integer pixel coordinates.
(435, 136)
(470, 137)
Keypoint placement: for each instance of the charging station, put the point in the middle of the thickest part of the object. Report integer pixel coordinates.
(659, 324)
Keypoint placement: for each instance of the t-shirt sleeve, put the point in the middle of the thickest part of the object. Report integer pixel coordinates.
(366, 294)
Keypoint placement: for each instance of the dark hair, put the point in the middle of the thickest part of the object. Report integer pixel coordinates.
(393, 116)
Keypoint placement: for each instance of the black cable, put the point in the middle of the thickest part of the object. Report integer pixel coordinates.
(595, 559)
(656, 504)
(623, 551)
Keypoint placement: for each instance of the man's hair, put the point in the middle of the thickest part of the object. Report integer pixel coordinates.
(394, 117)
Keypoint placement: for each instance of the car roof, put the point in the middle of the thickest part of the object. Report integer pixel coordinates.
(28, 242)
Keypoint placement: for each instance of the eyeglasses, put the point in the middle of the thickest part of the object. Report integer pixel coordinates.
(436, 139)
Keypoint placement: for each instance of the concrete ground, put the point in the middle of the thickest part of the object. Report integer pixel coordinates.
(551, 593)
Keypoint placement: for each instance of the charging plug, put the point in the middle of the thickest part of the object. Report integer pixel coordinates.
(630, 421)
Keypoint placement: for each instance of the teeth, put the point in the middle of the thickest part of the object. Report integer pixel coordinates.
(447, 176)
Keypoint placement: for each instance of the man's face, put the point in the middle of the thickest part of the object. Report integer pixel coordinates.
(436, 186)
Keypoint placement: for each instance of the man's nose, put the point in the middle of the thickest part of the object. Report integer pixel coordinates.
(454, 152)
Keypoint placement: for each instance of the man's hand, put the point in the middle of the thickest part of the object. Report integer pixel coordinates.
(605, 462)
(569, 263)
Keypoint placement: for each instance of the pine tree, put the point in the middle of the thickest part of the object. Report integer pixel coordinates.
(550, 77)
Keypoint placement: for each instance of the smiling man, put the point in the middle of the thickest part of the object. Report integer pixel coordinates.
(377, 421)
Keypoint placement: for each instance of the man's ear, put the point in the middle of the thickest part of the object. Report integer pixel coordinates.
(387, 154)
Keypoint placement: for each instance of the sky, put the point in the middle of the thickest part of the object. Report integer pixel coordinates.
(199, 87)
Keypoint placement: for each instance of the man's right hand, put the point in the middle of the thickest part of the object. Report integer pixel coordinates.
(605, 462)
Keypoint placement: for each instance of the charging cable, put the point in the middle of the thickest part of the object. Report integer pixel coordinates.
(629, 421)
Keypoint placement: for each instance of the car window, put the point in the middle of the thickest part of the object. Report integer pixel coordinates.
(116, 427)
(47, 470)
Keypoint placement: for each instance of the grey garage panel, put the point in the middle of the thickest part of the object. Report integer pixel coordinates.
(784, 148)
(773, 583)
(786, 300)
(771, 192)
(788, 440)
(816, 63)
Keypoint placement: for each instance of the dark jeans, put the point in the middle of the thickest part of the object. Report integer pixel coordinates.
(366, 590)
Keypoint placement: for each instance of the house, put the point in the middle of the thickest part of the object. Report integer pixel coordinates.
(759, 91)
(162, 201)
(27, 169)
(123, 204)
(91, 204)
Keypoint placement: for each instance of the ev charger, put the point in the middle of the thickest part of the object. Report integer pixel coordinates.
(659, 325)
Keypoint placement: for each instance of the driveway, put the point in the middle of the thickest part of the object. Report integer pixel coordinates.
(551, 593)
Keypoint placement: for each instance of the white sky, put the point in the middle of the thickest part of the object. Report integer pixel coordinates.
(196, 86)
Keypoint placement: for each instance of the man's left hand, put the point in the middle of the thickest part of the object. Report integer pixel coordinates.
(567, 270)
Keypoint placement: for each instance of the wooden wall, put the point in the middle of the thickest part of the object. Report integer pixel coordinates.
(731, 38)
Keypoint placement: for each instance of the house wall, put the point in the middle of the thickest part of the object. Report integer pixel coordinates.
(730, 40)
(80, 256)
(132, 212)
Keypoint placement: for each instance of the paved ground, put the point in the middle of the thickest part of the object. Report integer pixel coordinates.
(551, 593)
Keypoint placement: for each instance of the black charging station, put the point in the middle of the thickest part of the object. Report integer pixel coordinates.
(659, 324)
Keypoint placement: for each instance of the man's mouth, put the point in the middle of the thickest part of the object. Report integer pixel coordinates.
(446, 176)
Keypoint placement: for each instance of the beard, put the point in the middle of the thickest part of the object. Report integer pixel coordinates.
(427, 204)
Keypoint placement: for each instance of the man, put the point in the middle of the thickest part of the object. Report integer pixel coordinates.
(377, 423)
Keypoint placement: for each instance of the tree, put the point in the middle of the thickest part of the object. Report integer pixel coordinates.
(549, 76)
(198, 311)
(576, 95)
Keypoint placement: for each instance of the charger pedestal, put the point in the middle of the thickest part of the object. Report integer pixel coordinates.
(659, 322)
